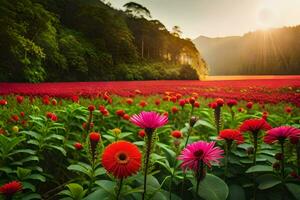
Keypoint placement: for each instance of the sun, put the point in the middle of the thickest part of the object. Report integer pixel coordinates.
(265, 18)
(267, 15)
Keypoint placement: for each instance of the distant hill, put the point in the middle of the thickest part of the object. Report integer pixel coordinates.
(276, 51)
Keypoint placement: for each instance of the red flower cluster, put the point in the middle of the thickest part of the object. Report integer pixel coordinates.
(254, 125)
(3, 102)
(231, 135)
(51, 116)
(9, 189)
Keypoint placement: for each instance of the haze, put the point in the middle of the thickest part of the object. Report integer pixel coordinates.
(217, 18)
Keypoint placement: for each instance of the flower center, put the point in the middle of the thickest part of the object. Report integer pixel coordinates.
(122, 158)
(198, 153)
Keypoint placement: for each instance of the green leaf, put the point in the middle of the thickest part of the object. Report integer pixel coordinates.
(29, 186)
(31, 196)
(77, 191)
(213, 188)
(204, 123)
(100, 193)
(294, 189)
(125, 134)
(60, 149)
(100, 171)
(36, 177)
(267, 181)
(236, 192)
(79, 168)
(260, 168)
(22, 172)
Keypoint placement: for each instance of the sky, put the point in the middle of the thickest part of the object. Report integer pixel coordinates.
(219, 18)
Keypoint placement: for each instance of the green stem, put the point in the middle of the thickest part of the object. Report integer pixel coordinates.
(149, 133)
(227, 151)
(298, 157)
(282, 160)
(255, 138)
(200, 175)
(188, 136)
(120, 188)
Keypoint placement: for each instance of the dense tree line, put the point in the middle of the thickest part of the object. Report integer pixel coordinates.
(81, 40)
(275, 51)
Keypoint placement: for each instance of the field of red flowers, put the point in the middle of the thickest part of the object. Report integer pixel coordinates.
(279, 89)
(212, 140)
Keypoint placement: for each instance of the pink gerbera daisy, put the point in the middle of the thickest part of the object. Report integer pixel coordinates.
(281, 133)
(200, 151)
(149, 120)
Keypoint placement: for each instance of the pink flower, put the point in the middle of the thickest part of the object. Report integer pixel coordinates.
(281, 133)
(151, 120)
(198, 151)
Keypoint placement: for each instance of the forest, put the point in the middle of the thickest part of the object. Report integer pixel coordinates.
(263, 52)
(88, 40)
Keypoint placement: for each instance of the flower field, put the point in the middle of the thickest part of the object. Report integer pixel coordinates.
(212, 140)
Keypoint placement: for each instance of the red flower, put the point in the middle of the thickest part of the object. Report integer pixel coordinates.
(105, 112)
(15, 118)
(3, 102)
(182, 102)
(143, 104)
(254, 125)
(231, 135)
(178, 96)
(120, 113)
(129, 101)
(288, 109)
(196, 104)
(91, 108)
(142, 133)
(176, 134)
(241, 109)
(213, 105)
(220, 102)
(54, 102)
(75, 99)
(157, 102)
(265, 115)
(101, 108)
(126, 117)
(95, 137)
(78, 146)
(192, 101)
(46, 100)
(173, 99)
(122, 159)
(9, 189)
(249, 105)
(84, 125)
(51, 116)
(232, 102)
(174, 109)
(20, 99)
(22, 114)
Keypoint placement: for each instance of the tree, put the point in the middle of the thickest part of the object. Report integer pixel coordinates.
(137, 10)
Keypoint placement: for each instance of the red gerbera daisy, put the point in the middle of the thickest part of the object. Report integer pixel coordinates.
(122, 159)
(9, 189)
(231, 135)
(254, 125)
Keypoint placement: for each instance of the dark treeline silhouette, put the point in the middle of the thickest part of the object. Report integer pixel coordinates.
(275, 51)
(83, 40)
